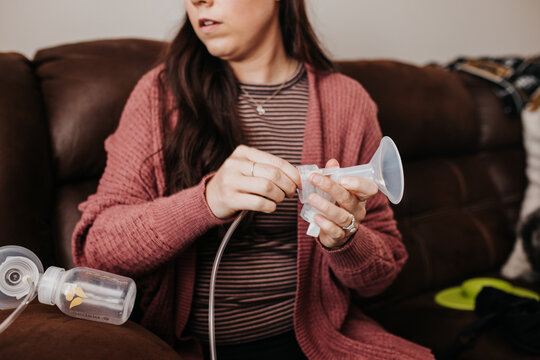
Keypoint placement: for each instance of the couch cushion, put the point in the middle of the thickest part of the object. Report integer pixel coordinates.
(419, 107)
(69, 196)
(453, 223)
(85, 86)
(43, 332)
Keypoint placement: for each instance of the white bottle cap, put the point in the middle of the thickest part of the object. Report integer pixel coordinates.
(13, 270)
(47, 284)
(16, 264)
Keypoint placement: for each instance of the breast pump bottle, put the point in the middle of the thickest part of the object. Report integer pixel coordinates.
(80, 292)
(88, 294)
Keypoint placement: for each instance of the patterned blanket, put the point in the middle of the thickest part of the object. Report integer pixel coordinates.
(515, 80)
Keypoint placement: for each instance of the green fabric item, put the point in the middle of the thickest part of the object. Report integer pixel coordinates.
(463, 297)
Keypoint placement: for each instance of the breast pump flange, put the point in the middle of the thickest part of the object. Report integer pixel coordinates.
(385, 169)
(17, 266)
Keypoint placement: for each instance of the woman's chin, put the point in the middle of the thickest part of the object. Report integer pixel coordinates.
(221, 52)
(225, 53)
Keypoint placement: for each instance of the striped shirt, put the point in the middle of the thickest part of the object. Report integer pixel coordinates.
(256, 283)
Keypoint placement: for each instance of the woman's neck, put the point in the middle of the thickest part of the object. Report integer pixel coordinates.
(271, 68)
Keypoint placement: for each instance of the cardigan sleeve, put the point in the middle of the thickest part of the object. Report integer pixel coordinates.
(127, 227)
(369, 262)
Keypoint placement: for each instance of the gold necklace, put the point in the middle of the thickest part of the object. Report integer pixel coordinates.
(259, 106)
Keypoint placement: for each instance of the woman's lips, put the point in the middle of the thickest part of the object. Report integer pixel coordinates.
(208, 25)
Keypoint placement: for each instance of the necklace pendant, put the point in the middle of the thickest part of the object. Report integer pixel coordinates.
(260, 110)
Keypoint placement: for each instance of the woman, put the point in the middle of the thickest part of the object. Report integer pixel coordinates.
(243, 96)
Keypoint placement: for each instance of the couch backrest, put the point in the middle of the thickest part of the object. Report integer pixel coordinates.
(464, 170)
(463, 158)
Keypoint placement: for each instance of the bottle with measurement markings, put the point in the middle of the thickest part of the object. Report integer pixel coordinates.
(88, 293)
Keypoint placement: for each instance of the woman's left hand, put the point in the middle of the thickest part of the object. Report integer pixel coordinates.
(350, 194)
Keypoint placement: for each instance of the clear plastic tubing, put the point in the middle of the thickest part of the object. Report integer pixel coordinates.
(217, 260)
(22, 305)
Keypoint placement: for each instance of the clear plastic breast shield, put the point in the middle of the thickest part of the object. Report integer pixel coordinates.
(16, 263)
(79, 292)
(385, 169)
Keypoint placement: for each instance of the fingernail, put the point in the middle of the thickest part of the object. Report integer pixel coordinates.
(314, 200)
(345, 181)
(317, 179)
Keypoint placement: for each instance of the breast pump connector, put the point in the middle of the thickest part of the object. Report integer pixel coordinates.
(385, 169)
(80, 292)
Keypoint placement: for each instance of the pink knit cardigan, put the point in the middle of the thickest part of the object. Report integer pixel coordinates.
(130, 227)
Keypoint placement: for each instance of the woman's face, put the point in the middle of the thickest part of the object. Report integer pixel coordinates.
(235, 30)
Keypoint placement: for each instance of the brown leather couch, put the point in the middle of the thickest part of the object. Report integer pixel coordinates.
(464, 173)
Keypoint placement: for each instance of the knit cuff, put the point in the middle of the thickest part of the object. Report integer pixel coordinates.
(187, 212)
(356, 252)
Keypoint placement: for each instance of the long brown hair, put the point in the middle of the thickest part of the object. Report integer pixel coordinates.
(206, 92)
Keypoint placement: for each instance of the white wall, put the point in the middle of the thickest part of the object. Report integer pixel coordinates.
(28, 25)
(417, 31)
(428, 30)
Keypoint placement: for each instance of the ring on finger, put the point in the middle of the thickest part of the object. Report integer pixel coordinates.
(350, 228)
(252, 168)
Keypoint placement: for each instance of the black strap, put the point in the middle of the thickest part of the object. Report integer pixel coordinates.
(518, 318)
(466, 339)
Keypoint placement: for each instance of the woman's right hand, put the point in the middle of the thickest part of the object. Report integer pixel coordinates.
(251, 179)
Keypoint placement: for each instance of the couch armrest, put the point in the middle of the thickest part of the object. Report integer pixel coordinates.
(43, 332)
